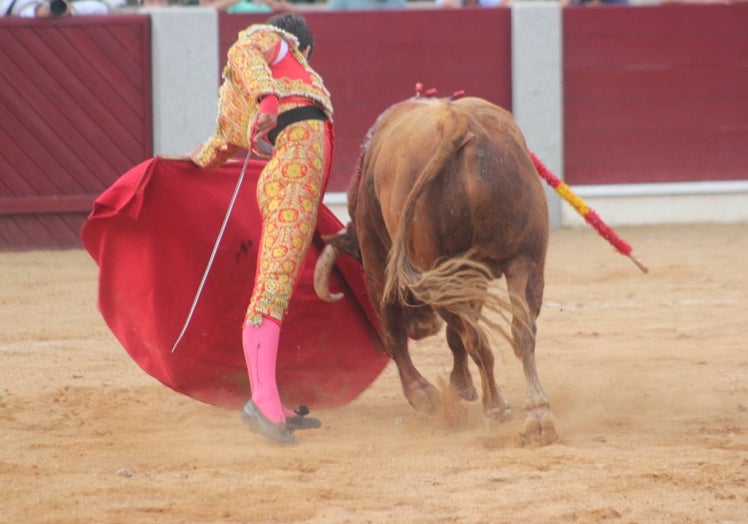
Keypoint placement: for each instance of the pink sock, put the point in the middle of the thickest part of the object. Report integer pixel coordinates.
(260, 352)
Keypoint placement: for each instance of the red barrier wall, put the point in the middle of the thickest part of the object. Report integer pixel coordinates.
(651, 94)
(75, 113)
(655, 94)
(372, 59)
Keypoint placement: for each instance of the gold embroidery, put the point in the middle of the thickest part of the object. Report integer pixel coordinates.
(246, 77)
(288, 194)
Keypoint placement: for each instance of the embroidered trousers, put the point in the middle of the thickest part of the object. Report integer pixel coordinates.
(289, 191)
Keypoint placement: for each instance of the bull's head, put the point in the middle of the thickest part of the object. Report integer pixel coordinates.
(344, 241)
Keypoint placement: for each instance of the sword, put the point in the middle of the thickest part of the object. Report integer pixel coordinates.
(213, 254)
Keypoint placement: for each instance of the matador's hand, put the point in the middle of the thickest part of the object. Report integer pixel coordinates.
(264, 124)
(267, 117)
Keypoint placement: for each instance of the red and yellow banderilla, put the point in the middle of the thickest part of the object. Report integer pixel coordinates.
(589, 215)
(567, 194)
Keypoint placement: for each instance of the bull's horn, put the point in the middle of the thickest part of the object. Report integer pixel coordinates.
(322, 271)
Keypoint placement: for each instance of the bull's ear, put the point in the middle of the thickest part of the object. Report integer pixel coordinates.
(345, 242)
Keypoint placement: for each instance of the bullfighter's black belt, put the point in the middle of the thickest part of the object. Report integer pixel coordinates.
(291, 116)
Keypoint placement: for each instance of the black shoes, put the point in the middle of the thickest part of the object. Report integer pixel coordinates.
(302, 422)
(258, 423)
(282, 433)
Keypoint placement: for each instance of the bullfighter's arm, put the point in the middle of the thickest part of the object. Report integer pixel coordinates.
(250, 61)
(250, 78)
(213, 152)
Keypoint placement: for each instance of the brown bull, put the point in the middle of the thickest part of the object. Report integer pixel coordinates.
(445, 200)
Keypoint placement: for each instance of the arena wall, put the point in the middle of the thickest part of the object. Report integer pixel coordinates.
(643, 110)
(75, 111)
(656, 112)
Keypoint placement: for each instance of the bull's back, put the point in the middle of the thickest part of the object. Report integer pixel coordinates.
(488, 195)
(507, 203)
(404, 140)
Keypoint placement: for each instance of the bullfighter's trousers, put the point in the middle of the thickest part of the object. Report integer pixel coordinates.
(289, 191)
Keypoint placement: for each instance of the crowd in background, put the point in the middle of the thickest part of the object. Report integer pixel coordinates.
(254, 6)
(62, 8)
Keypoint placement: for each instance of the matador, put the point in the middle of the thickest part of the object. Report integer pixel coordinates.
(274, 104)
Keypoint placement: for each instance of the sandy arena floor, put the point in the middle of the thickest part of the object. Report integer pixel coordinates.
(647, 376)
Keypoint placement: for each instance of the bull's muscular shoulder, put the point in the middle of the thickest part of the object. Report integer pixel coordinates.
(424, 113)
(410, 130)
(405, 125)
(489, 116)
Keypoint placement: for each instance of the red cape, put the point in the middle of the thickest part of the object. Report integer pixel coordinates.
(152, 233)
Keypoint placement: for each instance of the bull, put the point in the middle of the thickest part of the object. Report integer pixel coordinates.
(445, 200)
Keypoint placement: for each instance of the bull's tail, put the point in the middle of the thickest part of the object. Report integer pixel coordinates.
(401, 272)
(461, 286)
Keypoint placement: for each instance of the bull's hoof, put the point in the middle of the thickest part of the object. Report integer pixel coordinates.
(470, 393)
(425, 399)
(540, 428)
(498, 415)
(462, 384)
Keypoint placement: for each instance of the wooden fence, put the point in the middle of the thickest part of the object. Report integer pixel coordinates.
(75, 113)
(650, 94)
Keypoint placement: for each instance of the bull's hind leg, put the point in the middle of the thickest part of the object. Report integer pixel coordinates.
(463, 337)
(525, 286)
(422, 319)
(460, 379)
(421, 394)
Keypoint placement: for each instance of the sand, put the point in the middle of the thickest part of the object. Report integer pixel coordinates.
(647, 377)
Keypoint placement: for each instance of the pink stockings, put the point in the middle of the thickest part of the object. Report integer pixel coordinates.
(260, 352)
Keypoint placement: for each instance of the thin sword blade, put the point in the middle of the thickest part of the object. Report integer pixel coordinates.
(213, 254)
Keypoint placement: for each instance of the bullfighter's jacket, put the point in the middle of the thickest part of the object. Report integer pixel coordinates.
(254, 70)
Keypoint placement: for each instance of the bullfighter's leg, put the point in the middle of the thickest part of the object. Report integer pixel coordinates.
(495, 406)
(525, 287)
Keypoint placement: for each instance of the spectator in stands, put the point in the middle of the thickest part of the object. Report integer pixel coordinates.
(52, 8)
(365, 5)
(596, 2)
(471, 3)
(230, 6)
(249, 6)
